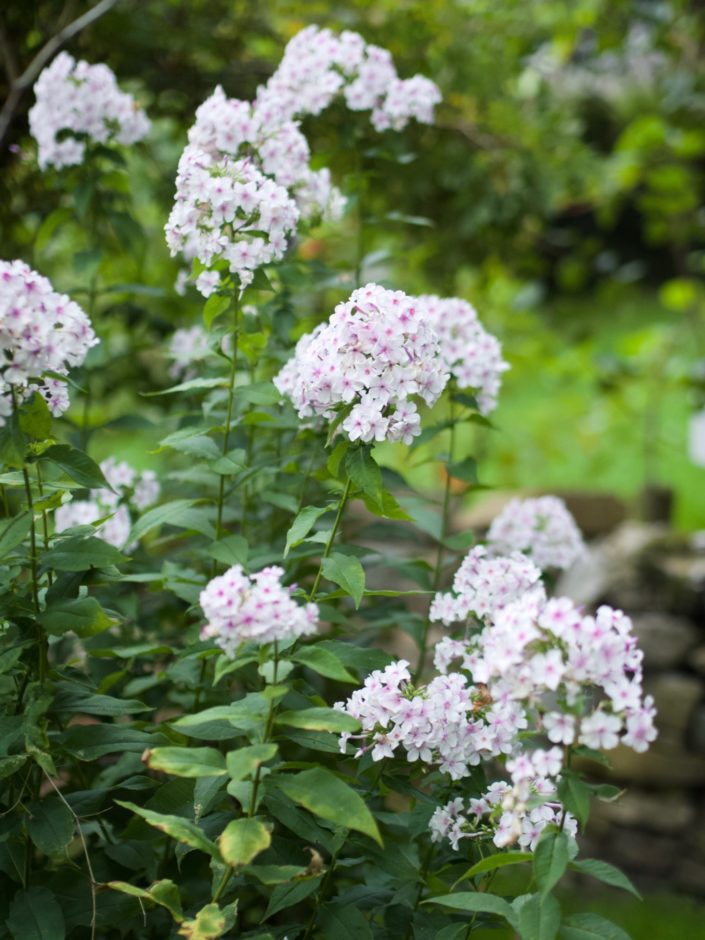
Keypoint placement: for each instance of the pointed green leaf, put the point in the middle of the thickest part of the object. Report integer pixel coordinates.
(187, 761)
(35, 915)
(14, 533)
(76, 465)
(605, 873)
(347, 571)
(83, 615)
(325, 795)
(493, 862)
(302, 525)
(163, 892)
(551, 859)
(318, 719)
(81, 554)
(182, 830)
(591, 927)
(323, 662)
(475, 901)
(50, 824)
(538, 916)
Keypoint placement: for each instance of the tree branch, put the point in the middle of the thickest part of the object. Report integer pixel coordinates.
(50, 47)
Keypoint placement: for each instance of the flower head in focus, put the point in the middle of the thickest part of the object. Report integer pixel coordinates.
(254, 607)
(374, 358)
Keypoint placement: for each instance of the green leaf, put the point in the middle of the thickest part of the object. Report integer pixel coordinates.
(284, 896)
(232, 550)
(475, 901)
(35, 418)
(493, 862)
(347, 571)
(50, 825)
(10, 765)
(276, 874)
(591, 927)
(178, 513)
(81, 554)
(363, 470)
(260, 281)
(244, 761)
(76, 465)
(538, 916)
(191, 386)
(323, 662)
(187, 761)
(182, 830)
(163, 892)
(344, 922)
(605, 873)
(214, 307)
(574, 794)
(325, 795)
(208, 924)
(13, 443)
(89, 742)
(302, 525)
(318, 719)
(551, 859)
(242, 840)
(35, 915)
(83, 615)
(14, 533)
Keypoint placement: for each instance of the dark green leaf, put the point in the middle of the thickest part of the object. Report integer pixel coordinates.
(76, 465)
(551, 859)
(325, 795)
(14, 533)
(50, 824)
(81, 554)
(592, 927)
(302, 525)
(83, 615)
(35, 915)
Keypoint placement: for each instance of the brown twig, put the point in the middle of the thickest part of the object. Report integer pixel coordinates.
(22, 82)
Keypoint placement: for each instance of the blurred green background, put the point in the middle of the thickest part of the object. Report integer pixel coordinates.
(561, 192)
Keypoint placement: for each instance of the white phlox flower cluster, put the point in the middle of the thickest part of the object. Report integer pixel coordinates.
(447, 723)
(255, 607)
(375, 357)
(76, 102)
(471, 354)
(530, 677)
(131, 490)
(227, 211)
(40, 331)
(504, 813)
(318, 65)
(232, 138)
(226, 126)
(187, 346)
(543, 528)
(484, 584)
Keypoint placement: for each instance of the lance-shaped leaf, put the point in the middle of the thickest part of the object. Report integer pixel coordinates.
(163, 892)
(178, 828)
(187, 761)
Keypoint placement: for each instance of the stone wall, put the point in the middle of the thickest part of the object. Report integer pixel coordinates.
(656, 830)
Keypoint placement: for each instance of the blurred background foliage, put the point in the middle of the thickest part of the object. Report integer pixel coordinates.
(561, 192)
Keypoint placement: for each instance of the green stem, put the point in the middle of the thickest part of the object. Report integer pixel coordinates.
(45, 522)
(438, 571)
(331, 537)
(229, 416)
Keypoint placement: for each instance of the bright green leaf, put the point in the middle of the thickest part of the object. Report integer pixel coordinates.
(243, 840)
(187, 761)
(347, 571)
(178, 828)
(244, 761)
(325, 795)
(591, 927)
(318, 719)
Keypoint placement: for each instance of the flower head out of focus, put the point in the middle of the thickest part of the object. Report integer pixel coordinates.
(255, 607)
(472, 355)
(76, 102)
(41, 332)
(543, 528)
(130, 490)
(318, 65)
(374, 358)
